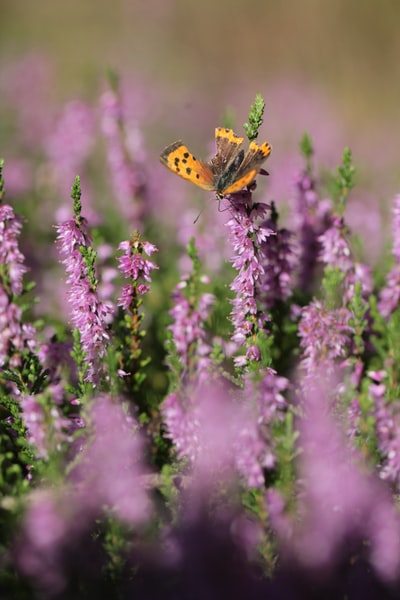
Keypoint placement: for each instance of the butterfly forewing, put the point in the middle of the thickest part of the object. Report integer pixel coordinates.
(181, 161)
(254, 158)
(249, 167)
(228, 146)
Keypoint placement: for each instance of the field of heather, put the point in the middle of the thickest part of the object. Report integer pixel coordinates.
(199, 355)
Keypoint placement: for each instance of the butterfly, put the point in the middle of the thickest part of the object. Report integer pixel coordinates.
(229, 171)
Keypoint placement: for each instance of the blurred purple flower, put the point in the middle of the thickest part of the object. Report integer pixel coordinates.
(25, 84)
(111, 470)
(126, 171)
(45, 424)
(255, 442)
(342, 506)
(56, 541)
(335, 252)
(312, 217)
(188, 330)
(19, 177)
(221, 433)
(70, 143)
(324, 335)
(88, 313)
(15, 336)
(335, 249)
(278, 262)
(181, 422)
(390, 294)
(213, 431)
(38, 550)
(10, 255)
(387, 428)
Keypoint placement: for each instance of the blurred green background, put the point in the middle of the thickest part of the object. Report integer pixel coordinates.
(331, 67)
(351, 48)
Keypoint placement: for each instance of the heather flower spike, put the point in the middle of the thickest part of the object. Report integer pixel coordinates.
(247, 236)
(312, 217)
(16, 337)
(389, 298)
(190, 311)
(277, 257)
(89, 315)
(135, 267)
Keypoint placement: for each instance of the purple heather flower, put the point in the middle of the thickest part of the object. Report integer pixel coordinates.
(312, 218)
(219, 433)
(390, 294)
(134, 266)
(325, 335)
(335, 251)
(126, 176)
(341, 505)
(181, 424)
(216, 433)
(387, 427)
(110, 471)
(10, 255)
(39, 550)
(14, 335)
(88, 313)
(275, 283)
(188, 333)
(255, 447)
(108, 476)
(246, 237)
(45, 426)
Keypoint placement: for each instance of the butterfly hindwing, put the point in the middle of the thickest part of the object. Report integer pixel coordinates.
(181, 161)
(249, 167)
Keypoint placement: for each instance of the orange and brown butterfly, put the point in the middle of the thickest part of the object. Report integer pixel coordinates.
(229, 171)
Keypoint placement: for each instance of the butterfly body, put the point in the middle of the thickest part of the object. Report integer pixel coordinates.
(229, 171)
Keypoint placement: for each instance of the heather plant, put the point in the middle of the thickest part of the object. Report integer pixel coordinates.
(181, 430)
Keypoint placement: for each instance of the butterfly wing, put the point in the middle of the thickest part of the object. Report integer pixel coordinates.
(249, 167)
(177, 158)
(228, 146)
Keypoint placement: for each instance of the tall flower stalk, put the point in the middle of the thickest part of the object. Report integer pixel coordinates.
(333, 327)
(127, 175)
(137, 269)
(189, 358)
(389, 298)
(15, 336)
(247, 234)
(312, 217)
(89, 315)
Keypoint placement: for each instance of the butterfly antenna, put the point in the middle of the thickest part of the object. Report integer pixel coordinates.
(198, 216)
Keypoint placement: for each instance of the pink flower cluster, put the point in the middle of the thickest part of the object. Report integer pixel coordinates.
(89, 314)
